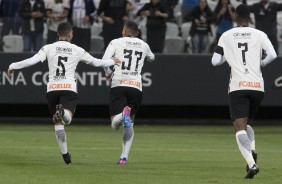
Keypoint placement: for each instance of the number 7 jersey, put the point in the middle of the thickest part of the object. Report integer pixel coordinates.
(242, 48)
(132, 52)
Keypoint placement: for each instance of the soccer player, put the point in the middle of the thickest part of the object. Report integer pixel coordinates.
(63, 58)
(242, 48)
(126, 82)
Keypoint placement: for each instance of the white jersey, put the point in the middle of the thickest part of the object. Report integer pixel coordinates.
(132, 52)
(242, 48)
(63, 58)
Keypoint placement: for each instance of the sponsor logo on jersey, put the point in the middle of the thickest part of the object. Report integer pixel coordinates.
(130, 82)
(249, 84)
(62, 49)
(241, 34)
(60, 86)
(134, 44)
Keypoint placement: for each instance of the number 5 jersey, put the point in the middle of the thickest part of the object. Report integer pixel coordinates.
(63, 58)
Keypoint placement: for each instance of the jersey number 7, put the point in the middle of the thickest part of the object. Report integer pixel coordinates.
(245, 45)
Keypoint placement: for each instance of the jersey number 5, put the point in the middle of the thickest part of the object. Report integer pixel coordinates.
(245, 45)
(128, 55)
(61, 64)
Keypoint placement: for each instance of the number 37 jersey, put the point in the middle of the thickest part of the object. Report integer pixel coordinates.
(242, 48)
(63, 58)
(132, 52)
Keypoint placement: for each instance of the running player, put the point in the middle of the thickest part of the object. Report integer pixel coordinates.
(242, 48)
(63, 58)
(126, 82)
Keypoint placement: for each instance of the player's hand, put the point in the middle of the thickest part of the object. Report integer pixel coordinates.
(116, 60)
(10, 72)
(109, 77)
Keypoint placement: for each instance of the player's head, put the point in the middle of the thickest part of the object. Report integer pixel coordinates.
(64, 31)
(130, 29)
(242, 14)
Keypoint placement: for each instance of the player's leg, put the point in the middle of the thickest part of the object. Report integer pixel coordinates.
(255, 100)
(134, 98)
(117, 103)
(239, 108)
(67, 102)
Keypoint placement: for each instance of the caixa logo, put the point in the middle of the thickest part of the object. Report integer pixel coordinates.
(278, 82)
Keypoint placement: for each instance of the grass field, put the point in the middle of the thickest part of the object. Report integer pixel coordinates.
(160, 155)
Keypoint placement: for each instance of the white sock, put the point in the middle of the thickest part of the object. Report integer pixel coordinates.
(117, 122)
(244, 145)
(251, 136)
(128, 134)
(67, 117)
(61, 138)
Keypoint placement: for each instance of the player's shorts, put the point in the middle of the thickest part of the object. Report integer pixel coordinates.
(67, 98)
(244, 103)
(121, 97)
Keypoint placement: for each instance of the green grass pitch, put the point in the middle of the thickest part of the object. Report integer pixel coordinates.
(160, 155)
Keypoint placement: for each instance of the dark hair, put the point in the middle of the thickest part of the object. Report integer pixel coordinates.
(219, 6)
(243, 11)
(64, 29)
(132, 27)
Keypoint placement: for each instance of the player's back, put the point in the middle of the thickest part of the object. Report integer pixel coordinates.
(62, 57)
(242, 47)
(131, 51)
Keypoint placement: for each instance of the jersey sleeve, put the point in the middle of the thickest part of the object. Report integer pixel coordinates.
(220, 46)
(42, 53)
(265, 41)
(111, 48)
(150, 56)
(86, 57)
(269, 49)
(217, 58)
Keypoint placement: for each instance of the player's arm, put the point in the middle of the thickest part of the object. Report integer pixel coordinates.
(269, 49)
(217, 58)
(218, 55)
(108, 70)
(88, 59)
(150, 56)
(23, 64)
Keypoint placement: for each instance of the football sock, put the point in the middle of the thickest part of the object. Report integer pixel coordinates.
(128, 134)
(61, 138)
(67, 117)
(117, 122)
(251, 136)
(244, 145)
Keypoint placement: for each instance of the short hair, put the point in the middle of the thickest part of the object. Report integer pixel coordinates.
(132, 27)
(64, 29)
(243, 11)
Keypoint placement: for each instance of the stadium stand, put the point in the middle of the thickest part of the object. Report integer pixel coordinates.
(13, 43)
